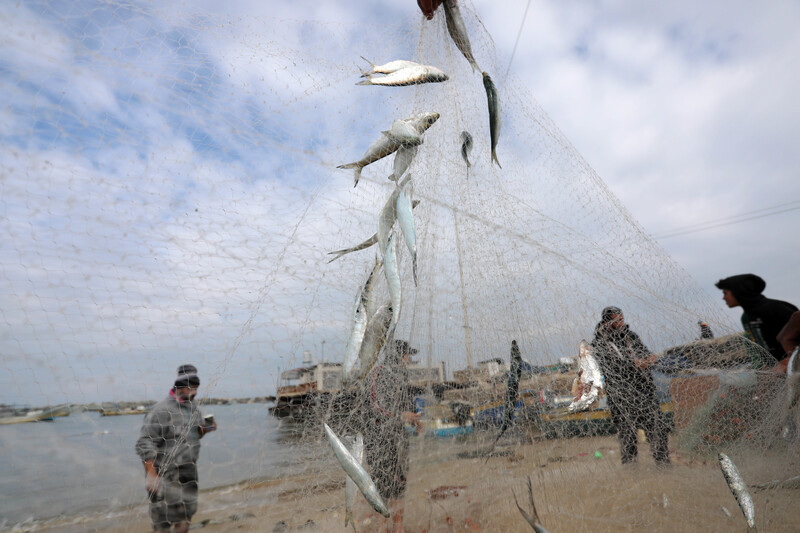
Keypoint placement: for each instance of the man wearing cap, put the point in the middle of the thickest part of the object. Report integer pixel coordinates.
(169, 446)
(630, 388)
(762, 317)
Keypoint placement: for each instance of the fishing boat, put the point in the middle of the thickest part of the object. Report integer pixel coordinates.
(38, 415)
(138, 410)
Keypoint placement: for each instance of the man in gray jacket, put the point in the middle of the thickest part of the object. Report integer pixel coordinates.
(169, 446)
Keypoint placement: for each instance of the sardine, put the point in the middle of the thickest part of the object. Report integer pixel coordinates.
(590, 379)
(494, 114)
(357, 450)
(407, 76)
(789, 431)
(356, 472)
(360, 319)
(405, 219)
(388, 215)
(466, 146)
(458, 31)
(402, 160)
(388, 68)
(404, 132)
(533, 517)
(392, 272)
(374, 340)
(364, 245)
(739, 489)
(386, 145)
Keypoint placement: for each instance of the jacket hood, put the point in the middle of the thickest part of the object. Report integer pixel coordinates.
(745, 287)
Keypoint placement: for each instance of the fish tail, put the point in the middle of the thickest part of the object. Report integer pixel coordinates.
(414, 269)
(356, 166)
(494, 158)
(367, 81)
(357, 175)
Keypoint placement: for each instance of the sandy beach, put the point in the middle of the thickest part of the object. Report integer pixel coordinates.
(578, 484)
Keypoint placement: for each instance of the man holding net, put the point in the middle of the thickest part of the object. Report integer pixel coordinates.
(630, 388)
(169, 446)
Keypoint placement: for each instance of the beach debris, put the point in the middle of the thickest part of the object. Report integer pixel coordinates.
(664, 501)
(494, 114)
(726, 511)
(280, 527)
(405, 219)
(739, 489)
(445, 491)
(386, 145)
(236, 517)
(589, 383)
(388, 68)
(458, 31)
(407, 76)
(356, 472)
(512, 388)
(788, 483)
(533, 517)
(360, 320)
(466, 146)
(357, 449)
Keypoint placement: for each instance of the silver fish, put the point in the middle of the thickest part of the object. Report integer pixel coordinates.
(792, 394)
(404, 132)
(533, 517)
(405, 219)
(466, 146)
(386, 145)
(356, 472)
(360, 319)
(364, 245)
(357, 449)
(402, 160)
(590, 379)
(374, 339)
(458, 31)
(739, 489)
(388, 215)
(407, 76)
(388, 68)
(392, 272)
(494, 114)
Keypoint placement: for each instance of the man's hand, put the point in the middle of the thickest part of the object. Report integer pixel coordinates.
(645, 362)
(151, 480)
(428, 7)
(208, 429)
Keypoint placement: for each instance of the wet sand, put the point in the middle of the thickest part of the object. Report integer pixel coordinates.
(575, 489)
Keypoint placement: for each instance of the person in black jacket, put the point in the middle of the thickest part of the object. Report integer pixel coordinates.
(630, 389)
(763, 318)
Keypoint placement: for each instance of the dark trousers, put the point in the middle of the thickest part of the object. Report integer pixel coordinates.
(648, 417)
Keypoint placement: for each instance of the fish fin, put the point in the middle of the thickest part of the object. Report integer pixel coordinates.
(494, 158)
(357, 175)
(348, 165)
(367, 81)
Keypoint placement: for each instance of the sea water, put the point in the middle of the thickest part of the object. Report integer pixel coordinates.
(86, 462)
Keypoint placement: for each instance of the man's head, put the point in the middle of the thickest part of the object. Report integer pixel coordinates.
(740, 288)
(187, 382)
(612, 317)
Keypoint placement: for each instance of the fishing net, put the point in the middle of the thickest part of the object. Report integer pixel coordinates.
(170, 195)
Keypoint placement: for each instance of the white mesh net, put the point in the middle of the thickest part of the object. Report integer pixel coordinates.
(170, 195)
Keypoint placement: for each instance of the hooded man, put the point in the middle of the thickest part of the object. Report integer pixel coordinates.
(763, 317)
(169, 446)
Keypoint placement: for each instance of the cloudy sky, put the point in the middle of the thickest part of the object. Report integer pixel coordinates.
(167, 172)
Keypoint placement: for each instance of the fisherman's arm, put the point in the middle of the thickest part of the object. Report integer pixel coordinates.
(412, 419)
(642, 357)
(147, 450)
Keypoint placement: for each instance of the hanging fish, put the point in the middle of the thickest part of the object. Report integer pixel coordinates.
(405, 219)
(466, 146)
(512, 388)
(739, 489)
(356, 472)
(402, 160)
(404, 132)
(374, 340)
(494, 114)
(388, 68)
(360, 319)
(388, 215)
(458, 31)
(407, 76)
(357, 450)
(392, 271)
